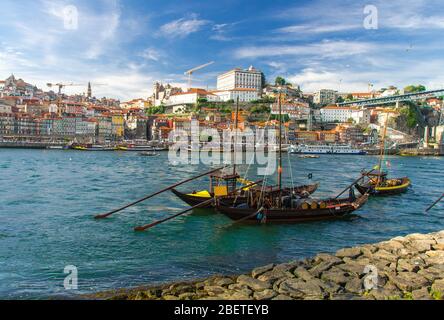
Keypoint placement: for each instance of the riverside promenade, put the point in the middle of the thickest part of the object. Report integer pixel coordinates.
(409, 267)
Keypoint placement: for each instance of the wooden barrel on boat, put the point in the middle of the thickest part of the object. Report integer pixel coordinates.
(314, 205)
(305, 206)
(322, 205)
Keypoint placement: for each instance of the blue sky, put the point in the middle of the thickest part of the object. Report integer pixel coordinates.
(129, 44)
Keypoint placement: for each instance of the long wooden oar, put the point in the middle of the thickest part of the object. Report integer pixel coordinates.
(242, 219)
(354, 182)
(150, 225)
(435, 203)
(104, 215)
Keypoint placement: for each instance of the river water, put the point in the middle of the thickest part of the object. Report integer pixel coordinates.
(48, 199)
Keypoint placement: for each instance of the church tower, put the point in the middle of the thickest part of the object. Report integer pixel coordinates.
(89, 90)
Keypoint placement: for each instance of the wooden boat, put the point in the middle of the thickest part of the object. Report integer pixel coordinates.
(276, 204)
(196, 197)
(148, 154)
(379, 185)
(295, 210)
(308, 156)
(133, 147)
(222, 184)
(376, 182)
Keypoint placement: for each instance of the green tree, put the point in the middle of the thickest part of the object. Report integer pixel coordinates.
(413, 88)
(410, 116)
(279, 81)
(260, 109)
(156, 110)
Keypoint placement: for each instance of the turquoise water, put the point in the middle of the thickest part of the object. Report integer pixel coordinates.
(48, 200)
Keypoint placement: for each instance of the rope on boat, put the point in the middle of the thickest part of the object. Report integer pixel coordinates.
(262, 139)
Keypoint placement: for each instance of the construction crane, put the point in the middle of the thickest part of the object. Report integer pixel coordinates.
(62, 85)
(191, 71)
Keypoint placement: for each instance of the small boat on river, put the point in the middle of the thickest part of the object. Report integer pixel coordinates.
(148, 154)
(377, 183)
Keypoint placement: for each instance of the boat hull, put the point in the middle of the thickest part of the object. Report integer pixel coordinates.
(337, 209)
(193, 200)
(384, 191)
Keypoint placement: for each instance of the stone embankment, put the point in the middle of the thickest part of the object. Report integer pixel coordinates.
(410, 267)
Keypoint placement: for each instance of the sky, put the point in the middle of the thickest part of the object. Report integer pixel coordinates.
(122, 47)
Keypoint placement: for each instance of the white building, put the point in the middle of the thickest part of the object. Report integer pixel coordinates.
(191, 96)
(344, 114)
(245, 95)
(325, 96)
(238, 78)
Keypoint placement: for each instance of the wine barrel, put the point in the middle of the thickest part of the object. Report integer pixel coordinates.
(314, 205)
(305, 206)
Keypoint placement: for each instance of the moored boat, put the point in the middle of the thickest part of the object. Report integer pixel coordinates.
(325, 149)
(148, 154)
(91, 147)
(376, 182)
(298, 211)
(275, 204)
(133, 147)
(196, 197)
(379, 185)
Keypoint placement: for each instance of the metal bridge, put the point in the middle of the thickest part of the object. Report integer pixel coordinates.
(394, 99)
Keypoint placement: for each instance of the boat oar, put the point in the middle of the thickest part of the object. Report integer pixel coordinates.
(354, 182)
(104, 215)
(435, 203)
(155, 223)
(243, 219)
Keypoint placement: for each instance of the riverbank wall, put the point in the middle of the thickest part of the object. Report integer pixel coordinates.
(407, 267)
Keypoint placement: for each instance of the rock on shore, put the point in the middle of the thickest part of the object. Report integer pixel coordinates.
(410, 267)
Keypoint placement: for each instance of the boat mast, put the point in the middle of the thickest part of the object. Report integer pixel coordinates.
(235, 134)
(381, 155)
(280, 145)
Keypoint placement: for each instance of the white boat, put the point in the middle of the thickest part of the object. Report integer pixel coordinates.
(148, 153)
(324, 149)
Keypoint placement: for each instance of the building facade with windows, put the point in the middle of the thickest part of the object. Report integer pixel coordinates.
(325, 96)
(250, 78)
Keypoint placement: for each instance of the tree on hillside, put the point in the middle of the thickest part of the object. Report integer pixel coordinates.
(279, 81)
(413, 88)
(156, 110)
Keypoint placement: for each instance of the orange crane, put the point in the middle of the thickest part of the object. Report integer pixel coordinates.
(191, 71)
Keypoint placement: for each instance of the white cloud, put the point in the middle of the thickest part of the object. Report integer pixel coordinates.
(312, 28)
(151, 54)
(349, 78)
(324, 49)
(183, 27)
